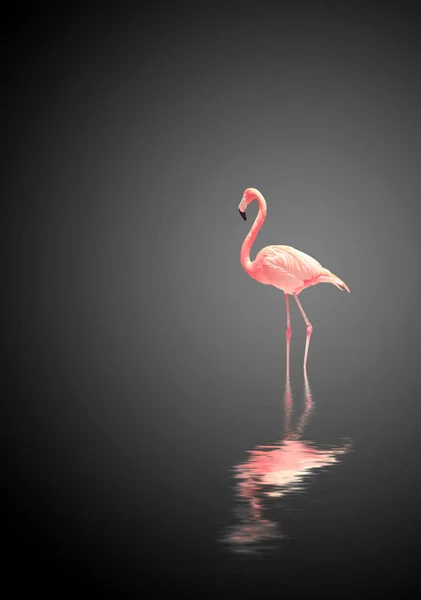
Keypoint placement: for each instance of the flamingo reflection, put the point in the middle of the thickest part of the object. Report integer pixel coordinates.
(272, 472)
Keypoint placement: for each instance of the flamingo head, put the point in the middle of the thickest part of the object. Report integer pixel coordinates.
(248, 196)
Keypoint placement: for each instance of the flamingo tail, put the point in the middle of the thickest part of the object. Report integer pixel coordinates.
(329, 277)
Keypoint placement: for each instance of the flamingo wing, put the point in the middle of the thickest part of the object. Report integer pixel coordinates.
(290, 261)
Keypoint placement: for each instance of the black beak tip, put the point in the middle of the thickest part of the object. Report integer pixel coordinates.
(243, 214)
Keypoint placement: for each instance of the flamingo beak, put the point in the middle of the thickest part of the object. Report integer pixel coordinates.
(243, 214)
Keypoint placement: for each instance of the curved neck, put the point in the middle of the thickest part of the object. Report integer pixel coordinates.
(252, 234)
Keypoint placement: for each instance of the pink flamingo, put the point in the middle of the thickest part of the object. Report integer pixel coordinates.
(284, 267)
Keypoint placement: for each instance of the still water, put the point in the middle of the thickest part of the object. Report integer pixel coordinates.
(264, 486)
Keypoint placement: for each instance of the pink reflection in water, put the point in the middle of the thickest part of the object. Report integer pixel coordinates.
(272, 472)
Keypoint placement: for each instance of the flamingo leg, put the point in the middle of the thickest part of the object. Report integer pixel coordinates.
(288, 336)
(309, 330)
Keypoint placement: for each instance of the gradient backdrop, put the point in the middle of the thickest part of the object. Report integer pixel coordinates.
(145, 362)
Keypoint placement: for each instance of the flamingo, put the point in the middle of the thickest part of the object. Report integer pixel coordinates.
(284, 267)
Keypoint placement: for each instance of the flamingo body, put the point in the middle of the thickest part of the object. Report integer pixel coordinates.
(283, 267)
(290, 270)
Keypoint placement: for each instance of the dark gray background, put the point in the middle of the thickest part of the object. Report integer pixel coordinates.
(146, 362)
